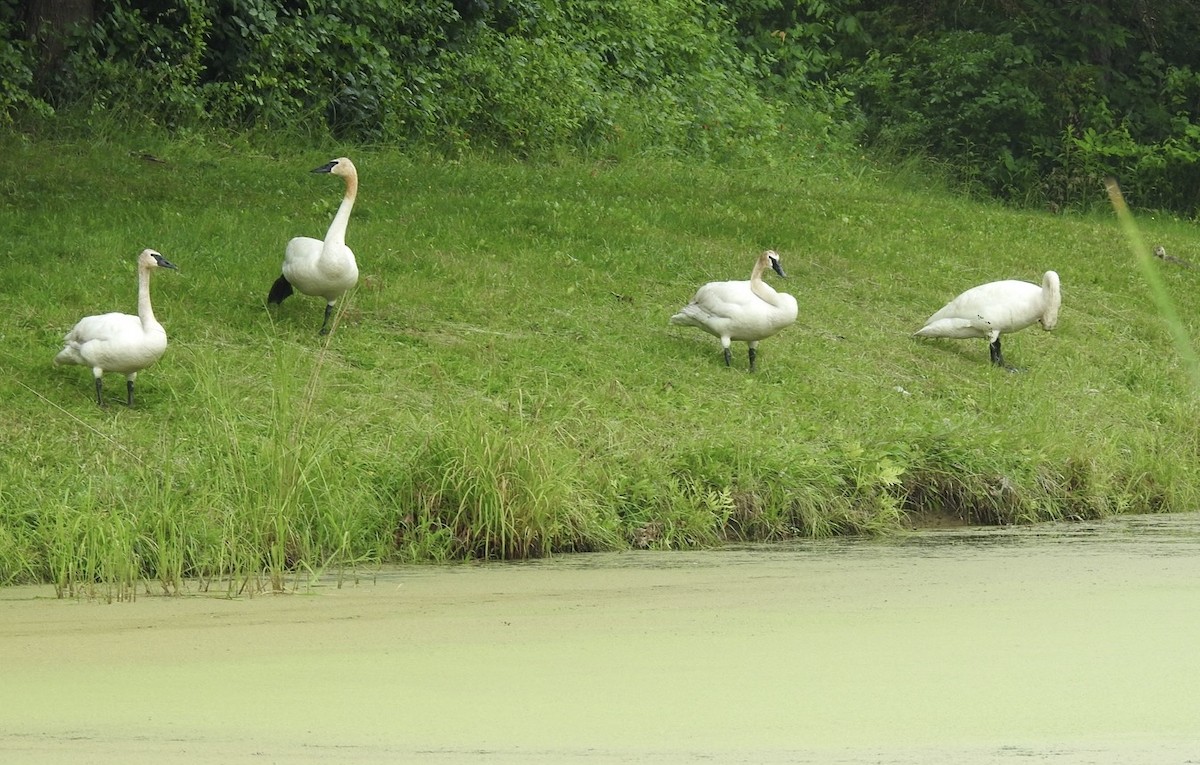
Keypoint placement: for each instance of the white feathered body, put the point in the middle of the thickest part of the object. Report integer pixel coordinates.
(320, 268)
(736, 311)
(997, 307)
(114, 342)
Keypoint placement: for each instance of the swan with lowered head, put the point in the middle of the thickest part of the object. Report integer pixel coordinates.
(118, 342)
(741, 310)
(992, 309)
(322, 268)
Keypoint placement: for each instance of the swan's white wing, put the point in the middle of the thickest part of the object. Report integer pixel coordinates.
(300, 253)
(731, 309)
(310, 273)
(102, 327)
(1004, 306)
(114, 342)
(955, 328)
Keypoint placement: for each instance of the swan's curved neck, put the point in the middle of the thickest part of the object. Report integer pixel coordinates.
(1052, 298)
(145, 312)
(760, 287)
(337, 229)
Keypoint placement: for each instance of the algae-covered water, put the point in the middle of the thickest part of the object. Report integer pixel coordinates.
(1062, 644)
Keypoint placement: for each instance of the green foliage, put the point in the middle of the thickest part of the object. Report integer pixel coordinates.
(144, 61)
(963, 95)
(528, 77)
(366, 69)
(1038, 104)
(796, 42)
(16, 70)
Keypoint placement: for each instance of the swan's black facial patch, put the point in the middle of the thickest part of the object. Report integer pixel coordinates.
(775, 264)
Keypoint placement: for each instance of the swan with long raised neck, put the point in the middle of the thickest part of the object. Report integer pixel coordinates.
(996, 308)
(322, 268)
(119, 342)
(748, 311)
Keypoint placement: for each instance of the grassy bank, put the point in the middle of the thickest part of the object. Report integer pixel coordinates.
(504, 383)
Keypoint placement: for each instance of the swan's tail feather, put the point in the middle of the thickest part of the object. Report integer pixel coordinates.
(953, 328)
(280, 290)
(68, 355)
(691, 315)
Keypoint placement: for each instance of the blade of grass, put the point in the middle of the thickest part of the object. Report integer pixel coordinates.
(1158, 290)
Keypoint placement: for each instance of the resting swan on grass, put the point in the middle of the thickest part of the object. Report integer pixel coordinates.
(737, 310)
(992, 309)
(118, 342)
(322, 268)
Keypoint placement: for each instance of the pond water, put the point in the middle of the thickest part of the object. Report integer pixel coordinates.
(1063, 644)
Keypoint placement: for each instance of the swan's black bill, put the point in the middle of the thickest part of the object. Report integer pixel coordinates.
(326, 168)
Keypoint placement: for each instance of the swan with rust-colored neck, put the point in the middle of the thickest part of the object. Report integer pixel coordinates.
(322, 268)
(748, 311)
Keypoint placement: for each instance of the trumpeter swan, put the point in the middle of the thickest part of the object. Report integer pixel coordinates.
(322, 268)
(741, 310)
(992, 309)
(118, 342)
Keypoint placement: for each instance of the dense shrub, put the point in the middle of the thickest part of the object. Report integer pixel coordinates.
(16, 68)
(964, 95)
(1037, 101)
(1031, 100)
(515, 74)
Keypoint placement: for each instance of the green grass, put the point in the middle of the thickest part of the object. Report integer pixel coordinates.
(504, 383)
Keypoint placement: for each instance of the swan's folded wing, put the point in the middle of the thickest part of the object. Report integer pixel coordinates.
(694, 314)
(955, 328)
(103, 326)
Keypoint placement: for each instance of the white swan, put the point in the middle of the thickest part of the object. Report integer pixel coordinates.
(322, 268)
(741, 310)
(997, 307)
(118, 342)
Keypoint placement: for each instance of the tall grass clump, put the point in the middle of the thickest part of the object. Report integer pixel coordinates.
(276, 492)
(479, 487)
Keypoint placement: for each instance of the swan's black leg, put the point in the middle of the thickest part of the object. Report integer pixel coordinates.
(129, 393)
(753, 355)
(997, 357)
(325, 323)
(728, 358)
(99, 392)
(279, 290)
